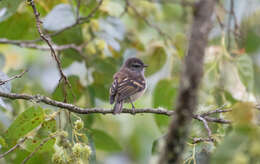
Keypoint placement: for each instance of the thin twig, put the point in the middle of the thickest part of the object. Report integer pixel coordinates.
(154, 26)
(257, 106)
(48, 41)
(217, 120)
(91, 14)
(184, 3)
(13, 148)
(205, 123)
(229, 24)
(232, 12)
(26, 44)
(125, 8)
(80, 20)
(78, 9)
(38, 147)
(218, 110)
(199, 139)
(221, 24)
(2, 82)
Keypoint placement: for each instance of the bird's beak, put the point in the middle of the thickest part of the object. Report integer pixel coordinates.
(145, 65)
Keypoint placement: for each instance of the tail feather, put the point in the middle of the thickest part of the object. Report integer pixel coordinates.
(118, 107)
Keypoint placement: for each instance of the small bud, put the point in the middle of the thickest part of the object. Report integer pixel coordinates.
(87, 150)
(63, 134)
(79, 161)
(91, 48)
(78, 125)
(77, 150)
(94, 25)
(63, 142)
(100, 44)
(57, 158)
(88, 36)
(105, 6)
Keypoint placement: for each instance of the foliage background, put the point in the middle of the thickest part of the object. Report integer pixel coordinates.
(154, 31)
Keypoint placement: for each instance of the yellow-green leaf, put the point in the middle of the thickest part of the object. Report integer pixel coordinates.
(23, 124)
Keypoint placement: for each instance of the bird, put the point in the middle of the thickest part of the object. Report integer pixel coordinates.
(128, 85)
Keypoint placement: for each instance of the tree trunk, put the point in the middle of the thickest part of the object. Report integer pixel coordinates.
(191, 76)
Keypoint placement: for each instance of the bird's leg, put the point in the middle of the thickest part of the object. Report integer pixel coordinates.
(133, 107)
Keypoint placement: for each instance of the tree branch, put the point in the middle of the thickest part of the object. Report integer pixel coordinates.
(48, 41)
(190, 80)
(79, 21)
(26, 44)
(79, 110)
(154, 26)
(199, 139)
(205, 123)
(13, 148)
(2, 82)
(38, 147)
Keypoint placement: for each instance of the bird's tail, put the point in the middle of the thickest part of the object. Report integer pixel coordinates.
(118, 107)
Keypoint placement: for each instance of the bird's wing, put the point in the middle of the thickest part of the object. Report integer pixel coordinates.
(118, 77)
(113, 91)
(128, 87)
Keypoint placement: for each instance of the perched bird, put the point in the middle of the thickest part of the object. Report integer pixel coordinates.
(128, 85)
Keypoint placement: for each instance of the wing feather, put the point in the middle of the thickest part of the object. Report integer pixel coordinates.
(129, 88)
(125, 86)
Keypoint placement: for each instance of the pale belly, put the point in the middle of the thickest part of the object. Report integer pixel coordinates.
(135, 96)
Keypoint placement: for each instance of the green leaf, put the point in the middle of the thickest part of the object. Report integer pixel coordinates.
(47, 127)
(20, 154)
(246, 71)
(19, 26)
(89, 120)
(164, 96)
(155, 58)
(23, 124)
(2, 142)
(133, 40)
(8, 7)
(105, 67)
(103, 76)
(99, 91)
(105, 142)
(252, 41)
(230, 146)
(172, 11)
(32, 144)
(162, 122)
(180, 42)
(87, 7)
(76, 90)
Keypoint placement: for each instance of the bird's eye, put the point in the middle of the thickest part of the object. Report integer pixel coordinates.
(136, 65)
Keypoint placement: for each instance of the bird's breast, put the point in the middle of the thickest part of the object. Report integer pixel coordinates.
(135, 96)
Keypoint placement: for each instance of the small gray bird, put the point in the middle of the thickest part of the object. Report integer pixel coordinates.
(129, 84)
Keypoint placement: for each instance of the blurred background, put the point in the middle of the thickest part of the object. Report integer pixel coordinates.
(156, 31)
